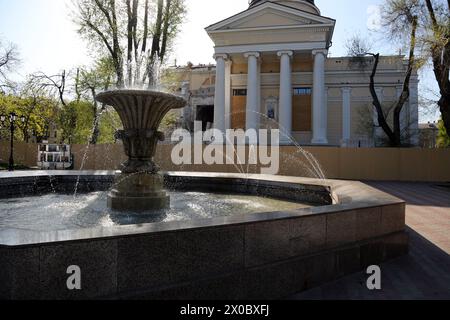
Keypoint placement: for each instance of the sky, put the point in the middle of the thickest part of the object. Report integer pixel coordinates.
(48, 41)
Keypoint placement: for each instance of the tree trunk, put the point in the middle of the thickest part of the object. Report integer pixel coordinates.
(156, 47)
(140, 61)
(130, 43)
(77, 86)
(405, 93)
(376, 103)
(117, 56)
(95, 128)
(441, 65)
(165, 31)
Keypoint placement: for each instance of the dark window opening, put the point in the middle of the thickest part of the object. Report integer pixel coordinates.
(205, 114)
(239, 92)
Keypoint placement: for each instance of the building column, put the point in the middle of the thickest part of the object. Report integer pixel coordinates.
(285, 106)
(219, 99)
(228, 66)
(253, 109)
(346, 115)
(320, 126)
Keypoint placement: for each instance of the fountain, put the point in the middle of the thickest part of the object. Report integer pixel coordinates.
(222, 234)
(139, 186)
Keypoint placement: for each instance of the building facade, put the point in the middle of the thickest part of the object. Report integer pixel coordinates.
(273, 70)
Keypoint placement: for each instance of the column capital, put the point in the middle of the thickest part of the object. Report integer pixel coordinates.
(346, 89)
(223, 56)
(252, 54)
(320, 51)
(285, 52)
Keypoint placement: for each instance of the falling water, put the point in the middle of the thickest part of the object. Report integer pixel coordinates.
(313, 166)
(86, 151)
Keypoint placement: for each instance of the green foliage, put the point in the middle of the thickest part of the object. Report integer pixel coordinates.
(75, 121)
(67, 122)
(109, 123)
(443, 140)
(169, 122)
(38, 113)
(91, 80)
(78, 120)
(83, 128)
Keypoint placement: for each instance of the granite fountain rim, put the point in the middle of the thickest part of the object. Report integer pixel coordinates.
(347, 195)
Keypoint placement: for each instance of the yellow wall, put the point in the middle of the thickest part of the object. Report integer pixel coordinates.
(337, 163)
(239, 68)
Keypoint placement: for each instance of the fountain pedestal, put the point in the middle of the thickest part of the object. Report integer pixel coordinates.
(140, 187)
(138, 192)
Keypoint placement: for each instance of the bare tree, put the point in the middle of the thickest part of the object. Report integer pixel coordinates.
(53, 85)
(439, 51)
(98, 21)
(124, 29)
(89, 82)
(397, 12)
(9, 59)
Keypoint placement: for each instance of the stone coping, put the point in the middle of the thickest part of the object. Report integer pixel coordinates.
(347, 196)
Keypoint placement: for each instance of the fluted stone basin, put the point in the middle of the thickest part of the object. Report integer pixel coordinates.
(139, 186)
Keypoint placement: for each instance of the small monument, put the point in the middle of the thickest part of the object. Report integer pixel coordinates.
(140, 187)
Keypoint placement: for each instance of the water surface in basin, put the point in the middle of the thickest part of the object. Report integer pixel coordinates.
(55, 212)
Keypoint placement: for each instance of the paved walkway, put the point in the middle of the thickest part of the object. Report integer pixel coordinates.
(425, 272)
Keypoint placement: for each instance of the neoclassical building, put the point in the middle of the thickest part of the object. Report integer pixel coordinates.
(273, 71)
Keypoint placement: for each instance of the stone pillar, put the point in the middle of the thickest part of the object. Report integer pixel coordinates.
(228, 65)
(346, 115)
(285, 106)
(219, 100)
(252, 115)
(258, 94)
(319, 104)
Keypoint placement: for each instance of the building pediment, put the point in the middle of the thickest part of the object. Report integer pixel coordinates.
(272, 23)
(270, 15)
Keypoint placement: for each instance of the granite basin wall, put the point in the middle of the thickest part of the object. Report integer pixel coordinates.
(25, 186)
(257, 256)
(67, 182)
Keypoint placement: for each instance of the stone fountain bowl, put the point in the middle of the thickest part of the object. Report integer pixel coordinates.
(139, 187)
(141, 113)
(141, 109)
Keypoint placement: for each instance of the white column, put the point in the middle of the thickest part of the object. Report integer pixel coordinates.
(258, 94)
(228, 65)
(319, 104)
(285, 106)
(252, 91)
(346, 114)
(219, 99)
